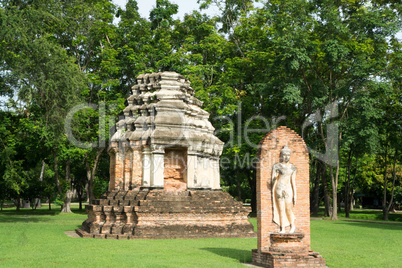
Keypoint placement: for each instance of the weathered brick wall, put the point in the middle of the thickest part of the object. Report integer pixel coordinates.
(128, 164)
(160, 214)
(269, 151)
(118, 169)
(136, 180)
(175, 170)
(125, 167)
(270, 259)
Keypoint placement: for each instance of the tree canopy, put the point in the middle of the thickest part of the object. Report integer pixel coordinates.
(331, 70)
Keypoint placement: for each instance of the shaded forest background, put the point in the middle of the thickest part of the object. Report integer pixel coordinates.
(330, 70)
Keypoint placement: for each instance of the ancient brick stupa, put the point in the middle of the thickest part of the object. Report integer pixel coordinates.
(164, 170)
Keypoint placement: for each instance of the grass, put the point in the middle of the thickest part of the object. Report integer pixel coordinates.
(367, 214)
(37, 239)
(371, 214)
(357, 244)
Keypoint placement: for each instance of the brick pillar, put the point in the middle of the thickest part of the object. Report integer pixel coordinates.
(130, 220)
(119, 170)
(283, 249)
(108, 211)
(269, 151)
(128, 164)
(128, 210)
(137, 167)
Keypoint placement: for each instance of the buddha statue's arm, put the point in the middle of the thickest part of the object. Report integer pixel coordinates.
(293, 182)
(274, 177)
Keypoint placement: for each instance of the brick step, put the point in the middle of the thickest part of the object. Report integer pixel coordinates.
(201, 203)
(162, 214)
(117, 202)
(192, 210)
(166, 209)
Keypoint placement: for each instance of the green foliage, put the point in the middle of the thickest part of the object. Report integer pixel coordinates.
(15, 178)
(398, 195)
(100, 187)
(161, 15)
(254, 66)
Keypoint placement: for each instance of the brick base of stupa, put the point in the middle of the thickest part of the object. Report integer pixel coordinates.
(287, 250)
(157, 214)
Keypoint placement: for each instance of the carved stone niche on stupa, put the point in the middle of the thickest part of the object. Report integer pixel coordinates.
(164, 170)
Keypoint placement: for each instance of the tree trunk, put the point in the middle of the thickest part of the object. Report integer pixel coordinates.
(89, 186)
(334, 151)
(347, 185)
(393, 185)
(384, 200)
(315, 202)
(252, 183)
(80, 194)
(69, 194)
(18, 205)
(67, 202)
(327, 201)
(37, 203)
(385, 213)
(238, 184)
(91, 174)
(56, 172)
(50, 204)
(352, 199)
(352, 187)
(334, 183)
(326, 193)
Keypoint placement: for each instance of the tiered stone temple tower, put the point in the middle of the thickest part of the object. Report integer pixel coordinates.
(164, 170)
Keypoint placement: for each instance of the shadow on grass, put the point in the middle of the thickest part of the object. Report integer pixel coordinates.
(375, 215)
(366, 214)
(30, 215)
(39, 212)
(4, 218)
(383, 226)
(242, 256)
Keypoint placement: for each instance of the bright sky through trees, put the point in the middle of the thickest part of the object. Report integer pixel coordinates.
(185, 6)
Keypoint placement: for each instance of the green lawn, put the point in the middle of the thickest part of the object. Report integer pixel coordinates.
(366, 214)
(357, 244)
(37, 239)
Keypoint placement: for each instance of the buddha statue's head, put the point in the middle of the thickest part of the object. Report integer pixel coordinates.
(285, 154)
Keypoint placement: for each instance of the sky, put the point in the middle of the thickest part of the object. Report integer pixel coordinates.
(185, 6)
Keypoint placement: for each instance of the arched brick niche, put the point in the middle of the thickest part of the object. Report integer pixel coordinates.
(269, 151)
(276, 249)
(175, 167)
